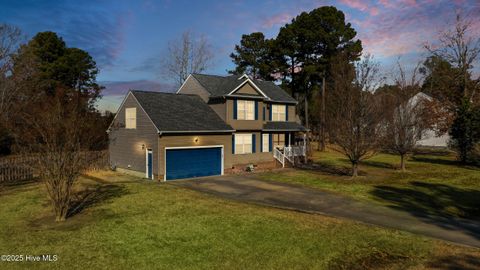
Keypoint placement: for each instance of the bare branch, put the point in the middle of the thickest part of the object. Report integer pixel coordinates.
(186, 55)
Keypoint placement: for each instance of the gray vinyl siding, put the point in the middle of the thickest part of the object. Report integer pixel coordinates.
(125, 146)
(192, 86)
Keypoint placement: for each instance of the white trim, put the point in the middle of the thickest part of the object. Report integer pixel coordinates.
(183, 83)
(146, 162)
(244, 76)
(190, 147)
(196, 131)
(254, 86)
(140, 105)
(116, 114)
(145, 112)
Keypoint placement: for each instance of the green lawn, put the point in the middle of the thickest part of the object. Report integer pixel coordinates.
(434, 184)
(145, 225)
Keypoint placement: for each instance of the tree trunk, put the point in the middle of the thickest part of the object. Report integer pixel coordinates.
(354, 169)
(402, 162)
(61, 213)
(318, 139)
(322, 125)
(308, 149)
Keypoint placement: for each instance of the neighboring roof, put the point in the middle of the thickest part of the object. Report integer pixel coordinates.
(283, 126)
(176, 113)
(223, 85)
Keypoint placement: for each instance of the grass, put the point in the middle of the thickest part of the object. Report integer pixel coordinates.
(434, 185)
(125, 224)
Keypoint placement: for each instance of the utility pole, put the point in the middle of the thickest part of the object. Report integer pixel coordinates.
(322, 124)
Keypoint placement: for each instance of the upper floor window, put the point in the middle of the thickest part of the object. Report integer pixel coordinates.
(245, 110)
(279, 113)
(131, 118)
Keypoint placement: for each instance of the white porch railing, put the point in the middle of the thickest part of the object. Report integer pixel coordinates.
(289, 153)
(278, 155)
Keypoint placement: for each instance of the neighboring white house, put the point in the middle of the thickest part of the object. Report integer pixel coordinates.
(429, 137)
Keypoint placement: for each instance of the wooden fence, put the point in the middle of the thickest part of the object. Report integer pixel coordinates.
(22, 168)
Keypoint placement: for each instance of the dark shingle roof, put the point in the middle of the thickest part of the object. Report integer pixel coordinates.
(177, 112)
(283, 126)
(221, 86)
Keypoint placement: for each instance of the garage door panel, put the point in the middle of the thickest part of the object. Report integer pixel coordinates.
(193, 162)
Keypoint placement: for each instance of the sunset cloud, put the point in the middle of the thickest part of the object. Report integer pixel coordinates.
(361, 5)
(277, 20)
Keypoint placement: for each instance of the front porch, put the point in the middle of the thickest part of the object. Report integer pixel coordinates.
(293, 150)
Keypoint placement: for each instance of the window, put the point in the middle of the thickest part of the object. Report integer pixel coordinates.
(243, 143)
(265, 142)
(278, 113)
(131, 118)
(245, 110)
(278, 140)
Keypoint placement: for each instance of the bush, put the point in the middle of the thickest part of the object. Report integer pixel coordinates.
(465, 132)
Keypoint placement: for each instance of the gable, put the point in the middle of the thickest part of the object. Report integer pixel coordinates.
(247, 89)
(193, 87)
(143, 120)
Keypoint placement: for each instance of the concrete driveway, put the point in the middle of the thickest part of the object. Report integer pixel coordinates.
(293, 197)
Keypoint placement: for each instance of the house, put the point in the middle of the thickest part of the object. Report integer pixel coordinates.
(211, 126)
(429, 137)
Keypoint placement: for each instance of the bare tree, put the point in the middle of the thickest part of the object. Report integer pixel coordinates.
(458, 46)
(186, 55)
(405, 115)
(58, 132)
(10, 38)
(355, 116)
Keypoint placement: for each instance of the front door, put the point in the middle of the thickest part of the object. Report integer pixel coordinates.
(149, 173)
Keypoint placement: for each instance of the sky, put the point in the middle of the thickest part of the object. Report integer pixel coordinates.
(128, 38)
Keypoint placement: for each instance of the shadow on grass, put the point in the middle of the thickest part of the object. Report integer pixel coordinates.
(439, 204)
(438, 161)
(454, 262)
(378, 164)
(326, 168)
(90, 197)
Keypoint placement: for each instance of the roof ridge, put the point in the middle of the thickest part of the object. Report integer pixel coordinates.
(211, 75)
(163, 93)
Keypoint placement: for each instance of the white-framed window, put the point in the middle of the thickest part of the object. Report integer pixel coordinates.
(266, 143)
(131, 118)
(245, 110)
(278, 113)
(278, 140)
(243, 143)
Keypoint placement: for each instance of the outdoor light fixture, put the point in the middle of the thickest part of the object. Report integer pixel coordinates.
(143, 146)
(195, 139)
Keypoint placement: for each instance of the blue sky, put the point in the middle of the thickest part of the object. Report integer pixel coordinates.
(128, 38)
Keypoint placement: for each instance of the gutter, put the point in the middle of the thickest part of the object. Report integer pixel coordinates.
(194, 131)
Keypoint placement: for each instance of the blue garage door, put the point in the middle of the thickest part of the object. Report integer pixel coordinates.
(186, 163)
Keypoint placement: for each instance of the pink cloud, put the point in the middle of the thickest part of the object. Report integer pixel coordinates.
(360, 5)
(278, 19)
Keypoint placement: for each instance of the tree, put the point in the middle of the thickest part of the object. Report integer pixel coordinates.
(253, 56)
(10, 38)
(465, 131)
(300, 56)
(355, 115)
(58, 132)
(459, 47)
(54, 116)
(308, 45)
(405, 114)
(186, 55)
